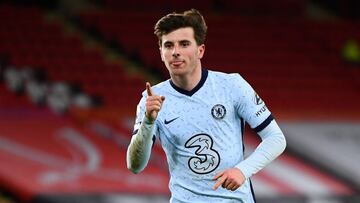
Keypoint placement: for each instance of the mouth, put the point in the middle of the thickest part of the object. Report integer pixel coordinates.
(176, 62)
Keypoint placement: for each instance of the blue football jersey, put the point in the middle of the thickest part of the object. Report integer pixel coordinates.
(201, 132)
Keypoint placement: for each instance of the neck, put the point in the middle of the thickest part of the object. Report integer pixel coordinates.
(188, 81)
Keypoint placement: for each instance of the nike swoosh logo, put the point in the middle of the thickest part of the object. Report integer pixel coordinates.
(169, 121)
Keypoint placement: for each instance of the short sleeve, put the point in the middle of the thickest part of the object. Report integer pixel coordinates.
(140, 113)
(249, 104)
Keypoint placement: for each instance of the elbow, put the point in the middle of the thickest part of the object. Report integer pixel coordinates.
(133, 165)
(283, 144)
(136, 158)
(133, 169)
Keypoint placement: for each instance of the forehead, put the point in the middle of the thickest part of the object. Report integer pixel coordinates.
(179, 35)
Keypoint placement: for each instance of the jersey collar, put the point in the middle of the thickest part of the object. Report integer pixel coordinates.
(204, 74)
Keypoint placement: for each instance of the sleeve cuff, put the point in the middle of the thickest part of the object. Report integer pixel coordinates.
(244, 170)
(265, 123)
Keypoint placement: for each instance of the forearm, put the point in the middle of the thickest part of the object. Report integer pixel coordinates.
(272, 145)
(139, 150)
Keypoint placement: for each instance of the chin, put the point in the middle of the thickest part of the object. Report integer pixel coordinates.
(177, 71)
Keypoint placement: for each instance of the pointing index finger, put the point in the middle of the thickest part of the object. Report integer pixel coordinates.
(148, 89)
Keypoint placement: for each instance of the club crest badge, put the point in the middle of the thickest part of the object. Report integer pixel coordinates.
(218, 111)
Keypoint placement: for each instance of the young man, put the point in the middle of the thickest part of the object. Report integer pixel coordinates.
(201, 122)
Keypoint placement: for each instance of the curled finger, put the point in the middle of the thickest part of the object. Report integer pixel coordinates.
(226, 183)
(219, 182)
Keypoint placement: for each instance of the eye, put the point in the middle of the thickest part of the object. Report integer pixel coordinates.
(185, 44)
(168, 45)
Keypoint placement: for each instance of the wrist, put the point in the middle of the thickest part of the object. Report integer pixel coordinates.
(244, 170)
(147, 120)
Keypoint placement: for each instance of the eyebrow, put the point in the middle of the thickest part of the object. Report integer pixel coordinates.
(185, 40)
(181, 41)
(168, 42)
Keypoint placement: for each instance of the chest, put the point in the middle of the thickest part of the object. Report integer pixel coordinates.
(183, 118)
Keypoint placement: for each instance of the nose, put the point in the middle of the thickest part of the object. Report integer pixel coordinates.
(175, 52)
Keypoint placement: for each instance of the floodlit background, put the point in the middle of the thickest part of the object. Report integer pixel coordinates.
(72, 73)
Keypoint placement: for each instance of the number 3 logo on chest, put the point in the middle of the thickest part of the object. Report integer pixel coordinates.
(205, 159)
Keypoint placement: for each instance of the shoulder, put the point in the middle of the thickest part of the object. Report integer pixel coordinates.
(233, 84)
(227, 78)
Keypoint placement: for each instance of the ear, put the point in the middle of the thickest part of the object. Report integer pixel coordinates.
(161, 55)
(201, 51)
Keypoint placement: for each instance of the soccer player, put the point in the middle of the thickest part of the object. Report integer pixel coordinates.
(199, 117)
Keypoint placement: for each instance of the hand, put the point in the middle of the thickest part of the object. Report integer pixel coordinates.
(153, 103)
(230, 179)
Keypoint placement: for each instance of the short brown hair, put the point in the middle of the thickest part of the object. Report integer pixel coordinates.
(173, 21)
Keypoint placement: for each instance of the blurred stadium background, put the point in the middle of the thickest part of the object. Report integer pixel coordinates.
(72, 73)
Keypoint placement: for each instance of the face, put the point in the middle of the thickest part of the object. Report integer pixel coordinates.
(180, 52)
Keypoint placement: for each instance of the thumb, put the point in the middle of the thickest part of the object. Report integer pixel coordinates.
(162, 98)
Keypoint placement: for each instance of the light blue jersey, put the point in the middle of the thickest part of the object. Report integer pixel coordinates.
(201, 132)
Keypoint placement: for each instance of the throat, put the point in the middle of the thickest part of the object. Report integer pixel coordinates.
(189, 87)
(188, 81)
(184, 83)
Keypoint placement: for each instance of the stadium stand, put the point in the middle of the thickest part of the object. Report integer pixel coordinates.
(293, 62)
(274, 53)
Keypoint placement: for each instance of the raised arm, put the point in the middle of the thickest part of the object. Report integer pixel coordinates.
(139, 149)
